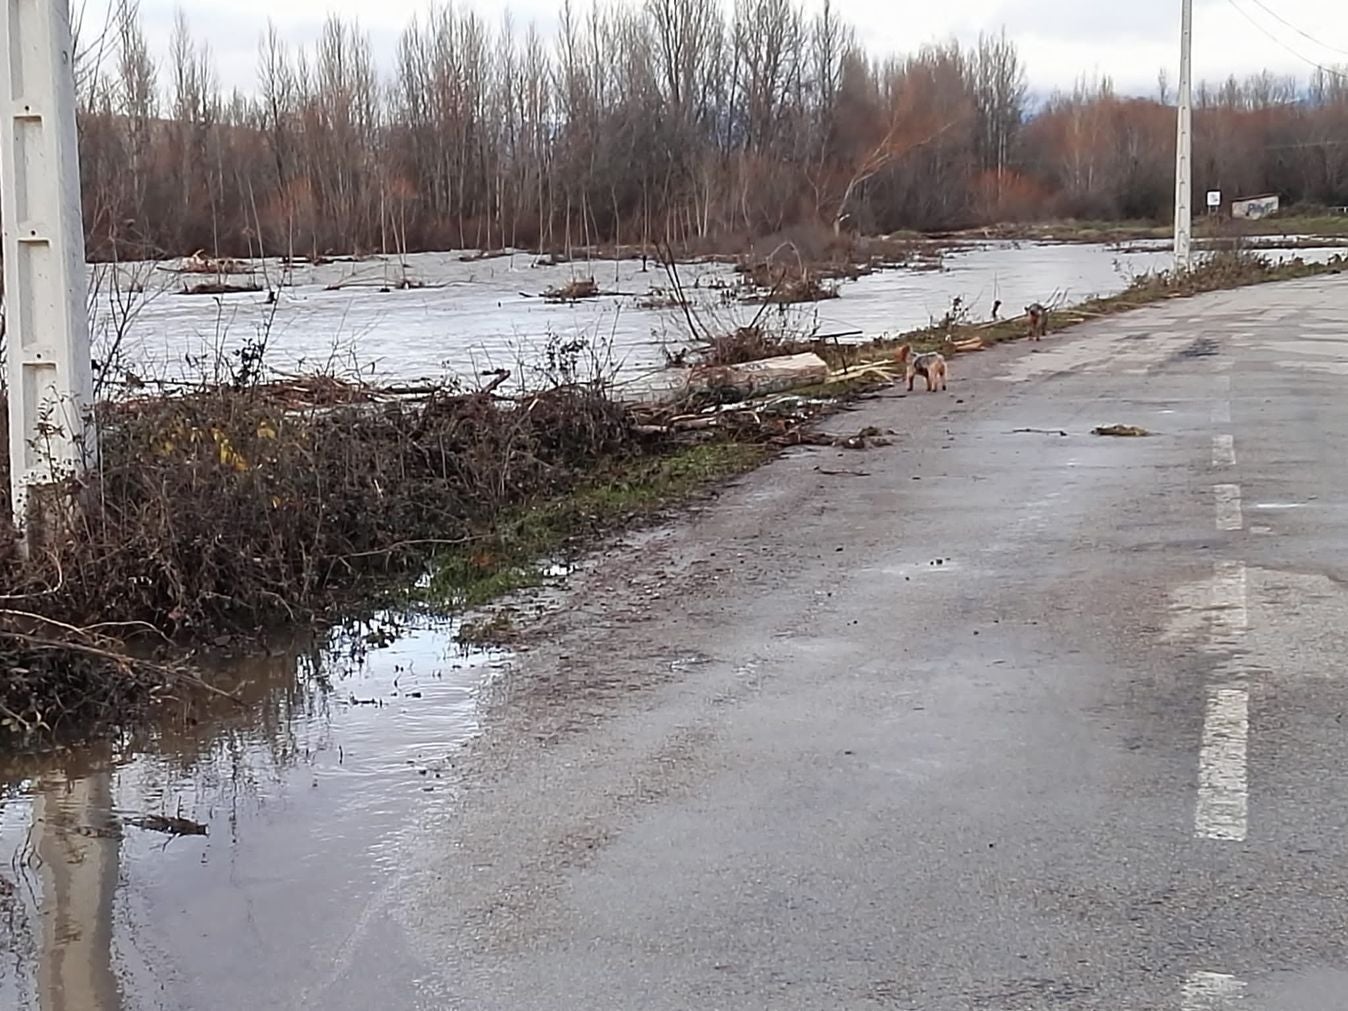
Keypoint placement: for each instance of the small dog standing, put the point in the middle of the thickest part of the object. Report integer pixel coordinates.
(1038, 320)
(929, 365)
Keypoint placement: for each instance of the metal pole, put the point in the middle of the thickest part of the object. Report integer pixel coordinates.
(47, 336)
(1184, 142)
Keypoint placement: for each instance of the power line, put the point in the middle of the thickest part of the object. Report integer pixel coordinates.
(1300, 31)
(1299, 55)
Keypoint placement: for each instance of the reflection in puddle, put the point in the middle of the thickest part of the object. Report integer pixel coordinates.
(306, 793)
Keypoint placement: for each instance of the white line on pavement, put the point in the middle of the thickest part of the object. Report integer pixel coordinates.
(1230, 617)
(1227, 500)
(1222, 791)
(1223, 450)
(1211, 991)
(1221, 412)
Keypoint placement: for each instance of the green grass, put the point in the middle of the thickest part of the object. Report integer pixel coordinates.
(514, 554)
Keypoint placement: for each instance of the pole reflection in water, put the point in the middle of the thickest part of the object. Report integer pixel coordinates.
(77, 849)
(300, 809)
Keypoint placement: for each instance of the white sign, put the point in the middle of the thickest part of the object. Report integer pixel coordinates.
(1214, 198)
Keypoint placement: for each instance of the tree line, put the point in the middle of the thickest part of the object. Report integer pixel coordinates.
(665, 121)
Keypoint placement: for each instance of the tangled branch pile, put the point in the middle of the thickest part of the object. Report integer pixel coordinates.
(227, 510)
(784, 284)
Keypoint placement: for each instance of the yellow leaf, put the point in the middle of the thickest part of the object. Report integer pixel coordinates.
(229, 457)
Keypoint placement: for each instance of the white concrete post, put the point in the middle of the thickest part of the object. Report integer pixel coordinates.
(46, 284)
(1184, 142)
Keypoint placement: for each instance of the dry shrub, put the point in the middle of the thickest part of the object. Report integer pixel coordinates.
(749, 343)
(1221, 270)
(784, 283)
(228, 511)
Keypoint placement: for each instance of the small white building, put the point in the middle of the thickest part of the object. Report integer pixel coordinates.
(1254, 208)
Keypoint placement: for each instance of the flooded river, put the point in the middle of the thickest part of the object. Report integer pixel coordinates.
(474, 314)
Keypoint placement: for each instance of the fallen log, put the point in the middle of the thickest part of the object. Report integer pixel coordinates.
(766, 375)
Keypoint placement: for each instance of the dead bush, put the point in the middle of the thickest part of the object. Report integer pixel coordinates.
(227, 511)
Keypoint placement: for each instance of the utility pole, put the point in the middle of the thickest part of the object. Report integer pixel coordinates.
(46, 284)
(1184, 142)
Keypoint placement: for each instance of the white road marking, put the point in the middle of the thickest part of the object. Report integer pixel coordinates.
(1230, 616)
(1211, 991)
(1222, 807)
(1223, 450)
(1221, 412)
(1226, 497)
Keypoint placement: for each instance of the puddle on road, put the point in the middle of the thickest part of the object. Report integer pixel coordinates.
(308, 794)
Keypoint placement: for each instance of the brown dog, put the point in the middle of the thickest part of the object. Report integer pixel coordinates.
(930, 366)
(1038, 320)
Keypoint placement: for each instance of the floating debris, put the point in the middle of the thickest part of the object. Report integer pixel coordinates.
(573, 291)
(169, 825)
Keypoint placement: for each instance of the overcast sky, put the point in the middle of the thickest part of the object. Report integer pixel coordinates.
(1131, 40)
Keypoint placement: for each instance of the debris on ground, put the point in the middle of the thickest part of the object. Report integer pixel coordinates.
(1126, 431)
(842, 473)
(968, 344)
(1045, 431)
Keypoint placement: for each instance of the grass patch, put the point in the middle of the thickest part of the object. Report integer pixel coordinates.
(522, 542)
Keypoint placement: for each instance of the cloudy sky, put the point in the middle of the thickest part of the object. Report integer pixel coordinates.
(1130, 40)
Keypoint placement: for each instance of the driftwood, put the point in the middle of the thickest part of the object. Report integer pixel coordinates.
(169, 825)
(767, 375)
(573, 291)
(200, 263)
(220, 288)
(970, 344)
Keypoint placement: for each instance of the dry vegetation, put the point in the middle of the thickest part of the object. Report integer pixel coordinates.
(227, 510)
(673, 120)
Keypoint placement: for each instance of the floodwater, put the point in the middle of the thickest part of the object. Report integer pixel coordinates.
(474, 314)
(309, 793)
